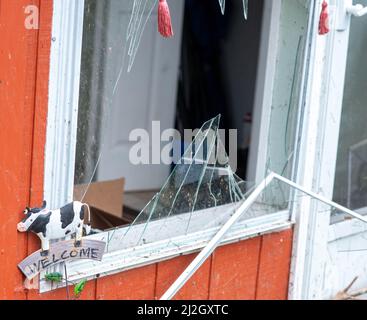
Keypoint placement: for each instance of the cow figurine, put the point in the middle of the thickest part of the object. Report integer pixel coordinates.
(55, 224)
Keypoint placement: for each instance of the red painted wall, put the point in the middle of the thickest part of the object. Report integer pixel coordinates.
(24, 66)
(252, 269)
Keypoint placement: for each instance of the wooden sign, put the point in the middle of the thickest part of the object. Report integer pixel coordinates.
(61, 252)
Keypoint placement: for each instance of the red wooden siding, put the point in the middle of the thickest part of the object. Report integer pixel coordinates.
(252, 269)
(130, 285)
(24, 57)
(234, 271)
(197, 288)
(274, 266)
(256, 268)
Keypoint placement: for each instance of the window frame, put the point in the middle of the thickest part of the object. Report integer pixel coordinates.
(67, 32)
(264, 88)
(63, 96)
(319, 146)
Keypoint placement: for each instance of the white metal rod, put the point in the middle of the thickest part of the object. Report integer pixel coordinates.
(211, 246)
(321, 198)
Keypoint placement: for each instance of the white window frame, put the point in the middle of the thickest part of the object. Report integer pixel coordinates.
(319, 147)
(63, 100)
(67, 29)
(264, 89)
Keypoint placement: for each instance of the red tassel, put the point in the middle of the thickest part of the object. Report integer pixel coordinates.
(324, 19)
(164, 19)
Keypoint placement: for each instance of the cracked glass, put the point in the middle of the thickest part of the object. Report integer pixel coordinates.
(222, 4)
(116, 39)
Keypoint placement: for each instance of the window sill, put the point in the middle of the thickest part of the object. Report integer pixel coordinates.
(120, 260)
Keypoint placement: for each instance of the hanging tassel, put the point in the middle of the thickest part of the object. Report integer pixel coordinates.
(324, 19)
(164, 19)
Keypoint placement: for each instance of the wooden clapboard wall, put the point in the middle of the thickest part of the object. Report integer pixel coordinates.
(253, 269)
(24, 69)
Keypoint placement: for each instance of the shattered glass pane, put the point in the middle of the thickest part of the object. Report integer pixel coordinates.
(201, 180)
(204, 179)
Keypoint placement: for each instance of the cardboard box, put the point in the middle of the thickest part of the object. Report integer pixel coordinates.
(105, 200)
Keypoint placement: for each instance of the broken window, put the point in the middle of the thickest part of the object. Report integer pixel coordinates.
(129, 81)
(131, 78)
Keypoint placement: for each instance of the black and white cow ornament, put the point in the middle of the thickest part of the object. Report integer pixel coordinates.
(55, 224)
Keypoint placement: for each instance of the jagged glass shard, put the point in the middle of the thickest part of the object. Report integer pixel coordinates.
(222, 4)
(245, 8)
(201, 184)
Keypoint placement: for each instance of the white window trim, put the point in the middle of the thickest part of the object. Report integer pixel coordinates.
(319, 148)
(67, 31)
(264, 90)
(63, 100)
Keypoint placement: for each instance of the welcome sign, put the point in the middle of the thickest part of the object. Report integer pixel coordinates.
(61, 252)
